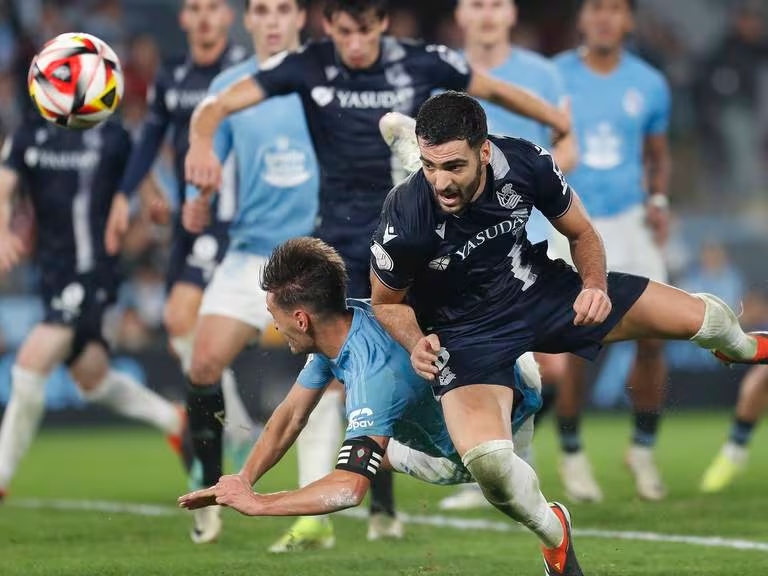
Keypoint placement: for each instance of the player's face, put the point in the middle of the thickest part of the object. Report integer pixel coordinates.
(455, 171)
(274, 24)
(605, 24)
(293, 325)
(206, 22)
(357, 41)
(486, 22)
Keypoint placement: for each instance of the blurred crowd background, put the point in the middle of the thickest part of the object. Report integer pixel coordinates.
(713, 52)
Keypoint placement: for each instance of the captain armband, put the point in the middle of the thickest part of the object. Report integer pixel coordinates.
(360, 455)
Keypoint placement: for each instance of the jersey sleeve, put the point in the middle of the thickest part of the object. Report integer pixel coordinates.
(659, 109)
(448, 68)
(375, 409)
(13, 151)
(399, 248)
(150, 137)
(316, 373)
(282, 74)
(553, 193)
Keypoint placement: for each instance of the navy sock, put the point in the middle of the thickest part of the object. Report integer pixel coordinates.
(205, 410)
(646, 428)
(741, 432)
(568, 428)
(382, 494)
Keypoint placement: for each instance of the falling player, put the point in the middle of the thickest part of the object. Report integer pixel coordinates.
(346, 84)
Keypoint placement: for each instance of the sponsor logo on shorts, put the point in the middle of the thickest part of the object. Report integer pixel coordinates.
(360, 418)
(70, 301)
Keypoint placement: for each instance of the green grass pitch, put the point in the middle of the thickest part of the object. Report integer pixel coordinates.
(131, 466)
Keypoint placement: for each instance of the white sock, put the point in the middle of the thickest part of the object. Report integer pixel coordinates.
(238, 426)
(513, 487)
(183, 345)
(124, 395)
(721, 331)
(318, 444)
(21, 421)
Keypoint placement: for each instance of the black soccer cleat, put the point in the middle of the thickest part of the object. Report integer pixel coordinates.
(561, 561)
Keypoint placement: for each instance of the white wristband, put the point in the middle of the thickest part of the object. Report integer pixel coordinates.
(659, 201)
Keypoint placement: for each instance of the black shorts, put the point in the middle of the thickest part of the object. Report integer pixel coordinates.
(78, 301)
(194, 257)
(541, 321)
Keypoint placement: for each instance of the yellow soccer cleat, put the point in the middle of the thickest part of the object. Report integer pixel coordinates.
(306, 534)
(729, 463)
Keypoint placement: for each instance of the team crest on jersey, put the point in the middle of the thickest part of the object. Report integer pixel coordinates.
(633, 102)
(507, 196)
(323, 95)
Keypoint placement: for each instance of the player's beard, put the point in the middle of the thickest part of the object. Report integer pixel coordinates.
(465, 193)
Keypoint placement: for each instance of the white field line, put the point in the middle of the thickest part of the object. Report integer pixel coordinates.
(472, 524)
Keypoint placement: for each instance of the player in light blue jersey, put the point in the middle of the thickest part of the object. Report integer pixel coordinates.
(486, 25)
(273, 168)
(620, 107)
(394, 421)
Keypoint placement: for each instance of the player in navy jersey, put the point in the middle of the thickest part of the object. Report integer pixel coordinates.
(457, 283)
(621, 108)
(71, 176)
(393, 419)
(180, 85)
(346, 84)
(486, 25)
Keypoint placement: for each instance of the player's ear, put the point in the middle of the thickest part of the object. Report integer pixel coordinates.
(302, 320)
(301, 19)
(512, 14)
(384, 24)
(184, 19)
(485, 153)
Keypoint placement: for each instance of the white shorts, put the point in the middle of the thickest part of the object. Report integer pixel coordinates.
(235, 291)
(629, 245)
(442, 471)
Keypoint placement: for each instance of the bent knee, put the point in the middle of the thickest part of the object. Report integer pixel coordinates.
(178, 320)
(207, 367)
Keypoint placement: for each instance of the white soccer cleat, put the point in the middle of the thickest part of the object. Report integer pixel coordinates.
(648, 482)
(578, 481)
(384, 526)
(399, 132)
(467, 497)
(207, 525)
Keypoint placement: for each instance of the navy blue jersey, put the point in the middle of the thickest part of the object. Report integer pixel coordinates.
(72, 176)
(457, 265)
(343, 108)
(179, 87)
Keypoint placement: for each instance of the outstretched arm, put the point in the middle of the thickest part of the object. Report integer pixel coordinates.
(202, 165)
(518, 100)
(342, 488)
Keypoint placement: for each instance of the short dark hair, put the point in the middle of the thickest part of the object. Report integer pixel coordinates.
(356, 8)
(306, 272)
(302, 4)
(631, 3)
(450, 116)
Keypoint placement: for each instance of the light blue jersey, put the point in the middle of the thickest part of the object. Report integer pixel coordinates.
(612, 115)
(539, 75)
(276, 171)
(385, 397)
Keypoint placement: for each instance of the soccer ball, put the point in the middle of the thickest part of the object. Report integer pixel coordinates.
(76, 81)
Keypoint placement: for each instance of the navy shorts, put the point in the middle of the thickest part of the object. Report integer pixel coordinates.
(78, 301)
(194, 257)
(482, 346)
(353, 243)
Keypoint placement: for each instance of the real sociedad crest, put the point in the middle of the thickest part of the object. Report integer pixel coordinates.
(507, 196)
